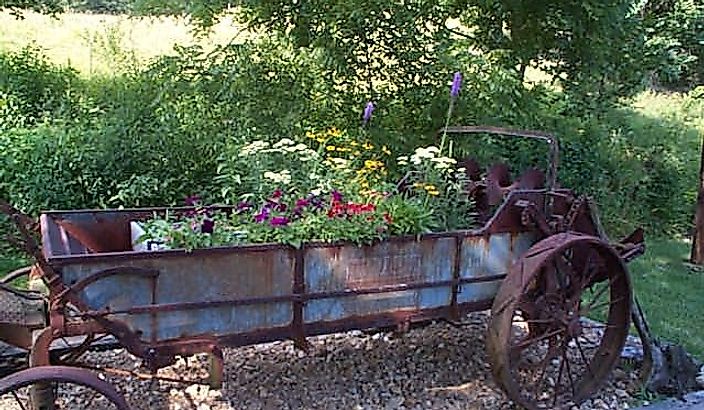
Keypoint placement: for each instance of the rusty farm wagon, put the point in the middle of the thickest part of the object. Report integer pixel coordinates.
(558, 290)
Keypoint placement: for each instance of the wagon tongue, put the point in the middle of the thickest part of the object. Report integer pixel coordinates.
(631, 246)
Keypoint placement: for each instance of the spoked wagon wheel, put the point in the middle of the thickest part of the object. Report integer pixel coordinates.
(559, 321)
(72, 388)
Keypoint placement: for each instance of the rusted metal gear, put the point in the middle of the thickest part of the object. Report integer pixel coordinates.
(559, 321)
(92, 392)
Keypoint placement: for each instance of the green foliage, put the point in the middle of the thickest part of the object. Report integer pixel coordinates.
(42, 6)
(676, 38)
(593, 48)
(101, 6)
(33, 90)
(154, 136)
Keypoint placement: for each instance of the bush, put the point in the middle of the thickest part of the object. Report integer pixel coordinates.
(155, 136)
(33, 90)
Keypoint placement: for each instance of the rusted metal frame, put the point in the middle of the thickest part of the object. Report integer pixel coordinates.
(554, 153)
(122, 270)
(297, 297)
(392, 318)
(188, 345)
(531, 216)
(139, 375)
(456, 268)
(154, 320)
(113, 257)
(300, 297)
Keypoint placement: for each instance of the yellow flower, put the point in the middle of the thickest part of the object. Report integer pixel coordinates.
(385, 150)
(310, 134)
(334, 132)
(342, 149)
(372, 164)
(434, 193)
(430, 187)
(417, 185)
(367, 146)
(353, 143)
(330, 148)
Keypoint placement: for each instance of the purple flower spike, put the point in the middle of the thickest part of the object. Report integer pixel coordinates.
(336, 196)
(456, 85)
(368, 110)
(279, 221)
(262, 216)
(208, 226)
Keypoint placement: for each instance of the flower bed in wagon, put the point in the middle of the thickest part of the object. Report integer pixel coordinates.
(326, 186)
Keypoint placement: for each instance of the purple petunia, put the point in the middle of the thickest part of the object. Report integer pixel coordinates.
(279, 221)
(368, 110)
(336, 196)
(456, 85)
(262, 216)
(207, 226)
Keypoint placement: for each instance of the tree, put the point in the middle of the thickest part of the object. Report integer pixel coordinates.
(43, 6)
(591, 47)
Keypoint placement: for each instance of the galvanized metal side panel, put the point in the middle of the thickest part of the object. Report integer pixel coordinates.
(340, 268)
(482, 256)
(196, 279)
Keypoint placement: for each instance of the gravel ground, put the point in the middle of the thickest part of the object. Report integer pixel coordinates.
(435, 367)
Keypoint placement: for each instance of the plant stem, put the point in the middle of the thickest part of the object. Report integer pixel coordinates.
(447, 123)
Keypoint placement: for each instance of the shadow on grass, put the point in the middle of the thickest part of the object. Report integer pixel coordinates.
(670, 291)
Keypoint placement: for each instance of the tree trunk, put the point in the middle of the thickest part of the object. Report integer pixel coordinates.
(697, 256)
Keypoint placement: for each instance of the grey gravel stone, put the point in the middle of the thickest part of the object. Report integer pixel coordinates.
(435, 367)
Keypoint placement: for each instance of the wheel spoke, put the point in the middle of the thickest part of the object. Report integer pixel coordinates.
(17, 399)
(556, 389)
(601, 305)
(525, 343)
(601, 292)
(543, 321)
(599, 326)
(584, 358)
(569, 371)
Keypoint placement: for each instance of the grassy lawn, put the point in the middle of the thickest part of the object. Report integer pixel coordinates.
(671, 293)
(89, 42)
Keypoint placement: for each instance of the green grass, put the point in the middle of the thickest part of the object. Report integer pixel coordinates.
(671, 293)
(89, 42)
